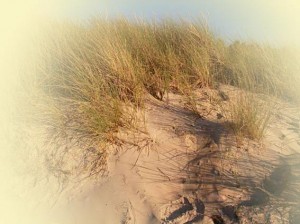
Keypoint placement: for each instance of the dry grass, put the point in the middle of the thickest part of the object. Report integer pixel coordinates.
(262, 69)
(248, 115)
(88, 73)
(87, 76)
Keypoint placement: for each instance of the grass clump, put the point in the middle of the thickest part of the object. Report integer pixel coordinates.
(92, 71)
(262, 69)
(88, 79)
(248, 115)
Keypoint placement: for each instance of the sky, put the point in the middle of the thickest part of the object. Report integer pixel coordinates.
(273, 21)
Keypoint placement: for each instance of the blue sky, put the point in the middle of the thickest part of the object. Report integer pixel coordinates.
(273, 21)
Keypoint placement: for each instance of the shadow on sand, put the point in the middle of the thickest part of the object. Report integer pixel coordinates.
(223, 175)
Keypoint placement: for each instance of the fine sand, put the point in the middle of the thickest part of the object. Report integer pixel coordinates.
(183, 168)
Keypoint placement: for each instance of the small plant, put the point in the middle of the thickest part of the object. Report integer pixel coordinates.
(248, 116)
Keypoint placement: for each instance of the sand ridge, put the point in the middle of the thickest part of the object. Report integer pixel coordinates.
(183, 168)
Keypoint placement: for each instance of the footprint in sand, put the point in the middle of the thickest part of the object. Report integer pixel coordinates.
(191, 141)
(184, 211)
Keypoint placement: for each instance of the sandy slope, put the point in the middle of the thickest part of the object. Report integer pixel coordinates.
(187, 169)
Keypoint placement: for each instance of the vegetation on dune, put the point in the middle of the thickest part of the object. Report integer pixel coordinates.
(88, 75)
(262, 69)
(248, 115)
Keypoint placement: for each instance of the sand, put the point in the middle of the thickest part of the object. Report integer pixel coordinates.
(182, 168)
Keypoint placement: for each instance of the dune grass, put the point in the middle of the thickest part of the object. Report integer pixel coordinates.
(262, 69)
(249, 114)
(87, 76)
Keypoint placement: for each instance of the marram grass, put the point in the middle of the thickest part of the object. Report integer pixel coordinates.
(87, 75)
